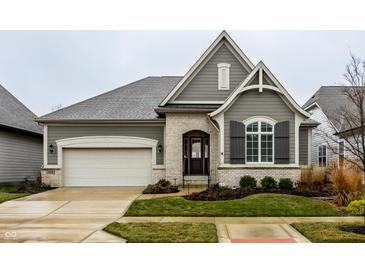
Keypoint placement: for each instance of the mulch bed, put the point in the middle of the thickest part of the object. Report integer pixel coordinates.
(216, 193)
(354, 229)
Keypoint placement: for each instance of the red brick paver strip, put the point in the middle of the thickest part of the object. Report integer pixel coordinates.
(264, 240)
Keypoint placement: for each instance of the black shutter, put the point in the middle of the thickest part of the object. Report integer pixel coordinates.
(281, 144)
(237, 142)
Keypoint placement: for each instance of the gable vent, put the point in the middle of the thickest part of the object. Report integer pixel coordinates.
(223, 76)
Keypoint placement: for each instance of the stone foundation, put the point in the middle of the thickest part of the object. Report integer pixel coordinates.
(232, 176)
(52, 177)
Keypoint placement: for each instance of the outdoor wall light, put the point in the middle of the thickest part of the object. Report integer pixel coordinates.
(159, 148)
(51, 148)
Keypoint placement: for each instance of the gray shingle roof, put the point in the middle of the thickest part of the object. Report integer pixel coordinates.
(330, 99)
(16, 115)
(135, 101)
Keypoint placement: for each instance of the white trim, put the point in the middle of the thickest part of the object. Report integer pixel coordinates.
(323, 144)
(309, 146)
(260, 81)
(197, 102)
(258, 165)
(223, 65)
(106, 142)
(297, 121)
(45, 145)
(259, 120)
(220, 121)
(242, 87)
(222, 35)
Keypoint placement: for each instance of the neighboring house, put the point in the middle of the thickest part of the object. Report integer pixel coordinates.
(20, 141)
(223, 119)
(322, 106)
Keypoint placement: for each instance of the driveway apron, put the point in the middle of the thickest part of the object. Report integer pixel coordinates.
(65, 215)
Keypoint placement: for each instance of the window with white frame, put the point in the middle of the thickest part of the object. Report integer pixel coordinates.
(322, 155)
(223, 76)
(259, 142)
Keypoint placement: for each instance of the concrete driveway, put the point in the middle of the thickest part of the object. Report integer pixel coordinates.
(65, 215)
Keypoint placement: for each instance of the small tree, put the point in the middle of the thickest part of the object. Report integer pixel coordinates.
(350, 116)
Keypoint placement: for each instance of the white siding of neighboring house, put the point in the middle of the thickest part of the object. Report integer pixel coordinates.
(318, 138)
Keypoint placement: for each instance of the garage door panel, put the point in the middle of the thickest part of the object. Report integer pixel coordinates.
(107, 167)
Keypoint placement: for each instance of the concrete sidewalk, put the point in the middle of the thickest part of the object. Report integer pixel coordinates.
(250, 229)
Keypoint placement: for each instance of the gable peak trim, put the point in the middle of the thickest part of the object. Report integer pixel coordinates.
(260, 69)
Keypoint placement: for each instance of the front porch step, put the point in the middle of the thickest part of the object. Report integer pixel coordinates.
(196, 178)
(196, 181)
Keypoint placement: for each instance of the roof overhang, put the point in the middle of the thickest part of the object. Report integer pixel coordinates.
(172, 109)
(260, 69)
(223, 35)
(100, 121)
(20, 131)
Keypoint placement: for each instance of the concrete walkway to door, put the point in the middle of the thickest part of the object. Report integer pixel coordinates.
(65, 214)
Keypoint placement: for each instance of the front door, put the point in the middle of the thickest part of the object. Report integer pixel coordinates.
(196, 153)
(196, 159)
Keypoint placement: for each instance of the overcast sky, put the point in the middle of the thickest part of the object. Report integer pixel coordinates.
(47, 68)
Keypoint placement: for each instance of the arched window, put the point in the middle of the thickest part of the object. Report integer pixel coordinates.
(260, 141)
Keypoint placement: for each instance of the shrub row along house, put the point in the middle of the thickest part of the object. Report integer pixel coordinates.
(20, 141)
(225, 118)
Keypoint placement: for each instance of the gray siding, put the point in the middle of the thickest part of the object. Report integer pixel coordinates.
(303, 146)
(204, 86)
(62, 132)
(319, 136)
(20, 157)
(252, 103)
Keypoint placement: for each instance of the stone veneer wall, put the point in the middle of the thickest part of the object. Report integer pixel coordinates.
(231, 176)
(158, 174)
(176, 125)
(52, 177)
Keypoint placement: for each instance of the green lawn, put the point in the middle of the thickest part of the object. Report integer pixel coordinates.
(164, 232)
(328, 232)
(8, 193)
(253, 205)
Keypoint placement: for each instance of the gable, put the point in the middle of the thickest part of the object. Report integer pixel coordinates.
(222, 39)
(264, 104)
(204, 85)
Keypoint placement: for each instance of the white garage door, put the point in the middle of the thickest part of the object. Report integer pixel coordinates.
(107, 167)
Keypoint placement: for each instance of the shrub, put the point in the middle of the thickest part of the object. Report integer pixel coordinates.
(347, 182)
(356, 208)
(162, 186)
(268, 182)
(313, 174)
(286, 183)
(247, 181)
(315, 181)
